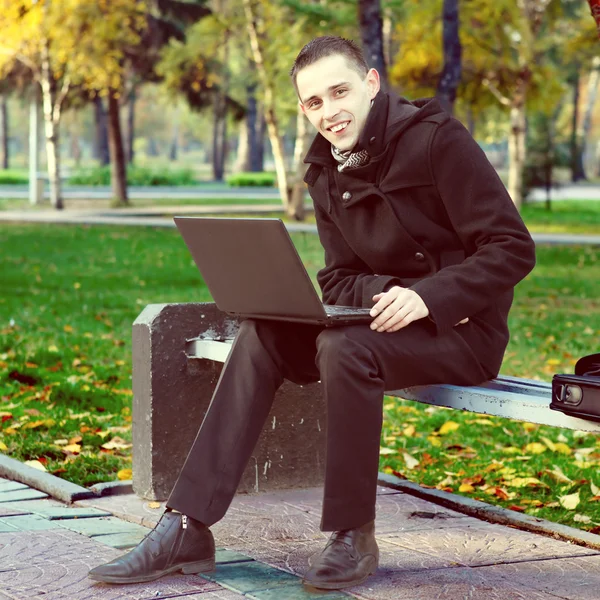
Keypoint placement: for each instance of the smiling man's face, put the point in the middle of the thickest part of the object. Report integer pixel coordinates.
(336, 99)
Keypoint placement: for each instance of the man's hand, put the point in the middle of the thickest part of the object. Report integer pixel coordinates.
(397, 308)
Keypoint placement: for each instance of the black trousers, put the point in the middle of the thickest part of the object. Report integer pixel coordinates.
(355, 365)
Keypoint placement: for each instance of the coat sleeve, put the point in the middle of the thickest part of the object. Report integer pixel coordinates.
(345, 280)
(500, 250)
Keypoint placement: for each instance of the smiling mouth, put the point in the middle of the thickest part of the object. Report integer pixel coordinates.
(339, 127)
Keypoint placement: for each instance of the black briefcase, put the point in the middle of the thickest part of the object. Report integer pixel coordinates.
(579, 395)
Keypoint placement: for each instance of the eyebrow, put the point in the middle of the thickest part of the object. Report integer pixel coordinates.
(329, 89)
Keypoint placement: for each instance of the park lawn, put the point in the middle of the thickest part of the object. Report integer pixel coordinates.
(70, 295)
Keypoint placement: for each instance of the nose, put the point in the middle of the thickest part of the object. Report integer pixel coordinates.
(330, 110)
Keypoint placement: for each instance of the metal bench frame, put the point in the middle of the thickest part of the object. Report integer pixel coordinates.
(511, 397)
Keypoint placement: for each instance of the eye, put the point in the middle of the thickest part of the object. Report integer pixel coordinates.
(341, 91)
(313, 104)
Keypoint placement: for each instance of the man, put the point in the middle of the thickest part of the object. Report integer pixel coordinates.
(416, 224)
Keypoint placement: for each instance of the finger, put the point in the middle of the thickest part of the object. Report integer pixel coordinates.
(399, 313)
(407, 320)
(386, 313)
(385, 300)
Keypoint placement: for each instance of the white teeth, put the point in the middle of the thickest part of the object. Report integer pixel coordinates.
(339, 127)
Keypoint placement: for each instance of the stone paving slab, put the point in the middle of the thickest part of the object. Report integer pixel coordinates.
(54, 564)
(485, 546)
(463, 583)
(122, 541)
(102, 526)
(52, 509)
(23, 494)
(10, 486)
(251, 576)
(396, 511)
(128, 507)
(29, 523)
(296, 593)
(575, 578)
(7, 511)
(293, 556)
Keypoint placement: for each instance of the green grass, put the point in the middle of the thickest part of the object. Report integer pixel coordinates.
(70, 295)
(565, 216)
(14, 176)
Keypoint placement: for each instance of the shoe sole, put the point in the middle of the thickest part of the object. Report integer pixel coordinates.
(328, 585)
(195, 568)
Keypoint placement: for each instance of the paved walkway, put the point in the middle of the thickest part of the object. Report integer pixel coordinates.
(427, 552)
(152, 217)
(566, 191)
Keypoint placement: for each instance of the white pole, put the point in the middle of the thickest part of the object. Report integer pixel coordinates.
(34, 192)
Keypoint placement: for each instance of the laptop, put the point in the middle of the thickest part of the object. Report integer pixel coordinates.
(253, 269)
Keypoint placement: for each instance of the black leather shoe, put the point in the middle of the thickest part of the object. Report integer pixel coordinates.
(176, 543)
(349, 557)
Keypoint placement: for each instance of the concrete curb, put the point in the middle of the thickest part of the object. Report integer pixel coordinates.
(493, 514)
(56, 487)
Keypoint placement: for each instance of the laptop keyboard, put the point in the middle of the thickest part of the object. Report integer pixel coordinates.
(340, 311)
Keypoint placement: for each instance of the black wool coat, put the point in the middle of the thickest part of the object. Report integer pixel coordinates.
(429, 213)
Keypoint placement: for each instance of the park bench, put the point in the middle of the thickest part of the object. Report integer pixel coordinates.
(178, 354)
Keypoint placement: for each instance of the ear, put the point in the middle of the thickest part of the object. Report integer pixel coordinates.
(373, 83)
(302, 107)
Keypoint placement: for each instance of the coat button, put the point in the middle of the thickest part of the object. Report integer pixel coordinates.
(346, 196)
(372, 140)
(419, 256)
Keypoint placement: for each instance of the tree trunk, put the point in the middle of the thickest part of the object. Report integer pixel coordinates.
(255, 133)
(516, 149)
(451, 74)
(371, 32)
(298, 190)
(4, 161)
(577, 171)
(269, 102)
(174, 146)
(101, 152)
(118, 167)
(219, 135)
(592, 93)
(131, 125)
(52, 108)
(261, 141)
(243, 154)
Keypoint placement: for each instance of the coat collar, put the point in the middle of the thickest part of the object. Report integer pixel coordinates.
(388, 117)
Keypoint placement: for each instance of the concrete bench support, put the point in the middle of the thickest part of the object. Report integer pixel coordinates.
(171, 393)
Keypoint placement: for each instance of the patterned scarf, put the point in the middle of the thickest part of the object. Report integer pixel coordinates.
(350, 160)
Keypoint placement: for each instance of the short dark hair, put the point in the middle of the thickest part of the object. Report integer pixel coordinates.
(329, 45)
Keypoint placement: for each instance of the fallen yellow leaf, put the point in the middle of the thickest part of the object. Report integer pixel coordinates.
(409, 431)
(466, 487)
(3, 447)
(124, 474)
(529, 426)
(410, 461)
(74, 448)
(382, 451)
(535, 448)
(153, 504)
(448, 427)
(524, 481)
(434, 441)
(569, 501)
(36, 464)
(551, 445)
(562, 448)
